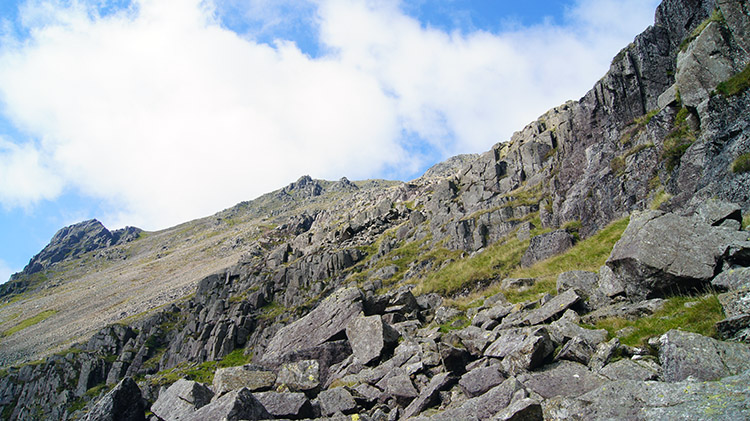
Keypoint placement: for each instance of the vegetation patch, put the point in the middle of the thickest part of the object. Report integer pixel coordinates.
(736, 84)
(746, 222)
(741, 164)
(688, 313)
(31, 321)
(235, 358)
(456, 323)
(659, 198)
(678, 140)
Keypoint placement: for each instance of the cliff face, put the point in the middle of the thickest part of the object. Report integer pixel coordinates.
(317, 268)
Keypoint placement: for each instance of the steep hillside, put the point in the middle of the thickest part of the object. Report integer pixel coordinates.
(478, 290)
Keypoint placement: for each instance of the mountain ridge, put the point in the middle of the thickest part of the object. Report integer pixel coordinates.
(258, 268)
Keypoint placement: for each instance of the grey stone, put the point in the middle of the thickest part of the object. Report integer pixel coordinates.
(605, 351)
(732, 279)
(546, 245)
(326, 321)
(245, 376)
(725, 399)
(475, 339)
(428, 394)
(525, 409)
(661, 253)
(285, 404)
(524, 231)
(233, 406)
(401, 388)
(335, 400)
(478, 381)
(562, 331)
(484, 406)
(703, 65)
(686, 354)
(627, 369)
(563, 378)
(669, 97)
(715, 212)
(630, 311)
(735, 328)
(181, 399)
(123, 403)
(517, 283)
(552, 309)
(530, 353)
(299, 376)
(369, 337)
(446, 314)
(578, 350)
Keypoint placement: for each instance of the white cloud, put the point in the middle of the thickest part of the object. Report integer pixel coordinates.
(169, 116)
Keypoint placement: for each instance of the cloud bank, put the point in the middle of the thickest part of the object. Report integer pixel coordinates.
(167, 115)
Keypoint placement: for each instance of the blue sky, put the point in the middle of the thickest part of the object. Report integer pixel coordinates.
(151, 113)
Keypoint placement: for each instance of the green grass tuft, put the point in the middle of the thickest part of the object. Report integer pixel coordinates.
(741, 164)
(31, 321)
(746, 222)
(234, 358)
(736, 84)
(698, 318)
(678, 140)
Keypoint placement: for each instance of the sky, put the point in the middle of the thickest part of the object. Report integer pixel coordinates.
(150, 113)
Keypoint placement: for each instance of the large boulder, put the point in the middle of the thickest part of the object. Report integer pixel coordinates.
(335, 400)
(686, 354)
(285, 404)
(564, 378)
(325, 322)
(247, 376)
(661, 253)
(299, 375)
(546, 245)
(233, 406)
(123, 403)
(181, 399)
(370, 337)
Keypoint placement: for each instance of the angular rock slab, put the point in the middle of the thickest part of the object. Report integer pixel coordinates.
(478, 381)
(564, 378)
(726, 399)
(247, 376)
(429, 394)
(660, 253)
(485, 406)
(686, 354)
(123, 403)
(181, 399)
(285, 404)
(327, 320)
(370, 337)
(299, 376)
(546, 245)
(233, 406)
(335, 400)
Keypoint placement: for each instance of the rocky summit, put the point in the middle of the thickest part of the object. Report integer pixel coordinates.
(594, 266)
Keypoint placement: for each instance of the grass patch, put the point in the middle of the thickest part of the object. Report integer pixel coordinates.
(741, 164)
(271, 311)
(235, 358)
(678, 140)
(31, 321)
(746, 221)
(659, 198)
(457, 323)
(699, 318)
(736, 84)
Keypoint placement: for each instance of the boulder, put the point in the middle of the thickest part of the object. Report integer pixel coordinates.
(530, 353)
(725, 399)
(429, 394)
(525, 409)
(578, 350)
(123, 403)
(233, 406)
(181, 399)
(716, 212)
(553, 308)
(485, 406)
(546, 245)
(285, 404)
(627, 369)
(335, 400)
(661, 253)
(478, 381)
(299, 376)
(563, 378)
(401, 388)
(323, 323)
(686, 354)
(246, 376)
(370, 337)
(732, 279)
